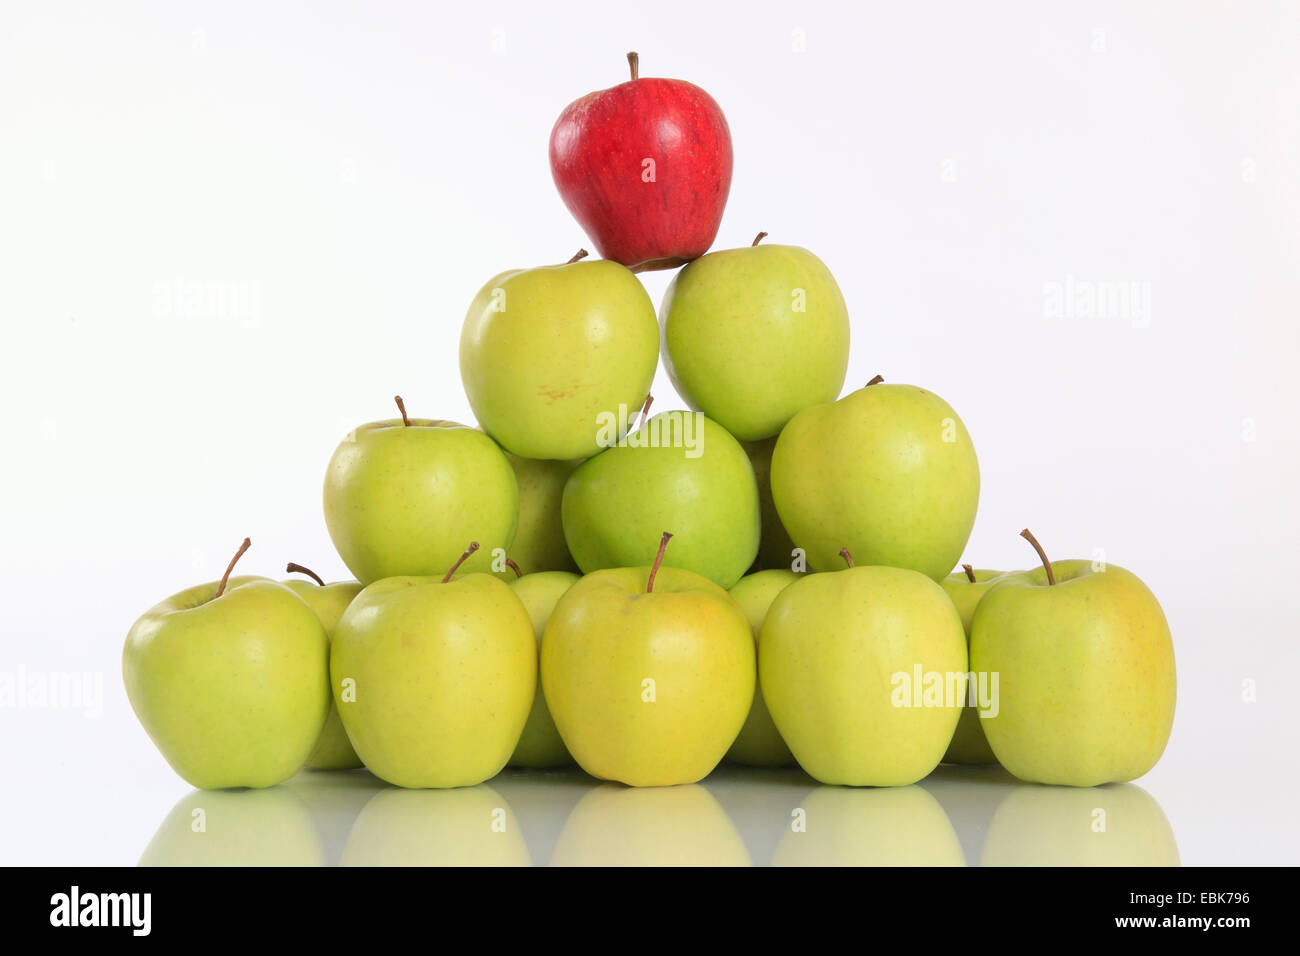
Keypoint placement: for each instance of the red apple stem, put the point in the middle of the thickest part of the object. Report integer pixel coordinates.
(221, 588)
(757, 239)
(580, 254)
(645, 410)
(401, 407)
(876, 380)
(473, 546)
(510, 563)
(1042, 555)
(634, 64)
(290, 568)
(848, 558)
(659, 559)
(970, 573)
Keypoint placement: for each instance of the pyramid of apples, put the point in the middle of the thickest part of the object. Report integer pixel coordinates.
(765, 577)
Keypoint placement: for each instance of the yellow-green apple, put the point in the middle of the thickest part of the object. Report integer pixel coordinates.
(1086, 676)
(539, 539)
(649, 826)
(775, 549)
(969, 745)
(678, 470)
(434, 677)
(230, 680)
(864, 673)
(648, 672)
(645, 167)
(403, 496)
(752, 336)
(333, 750)
(468, 826)
(549, 356)
(759, 743)
(540, 745)
(900, 826)
(888, 471)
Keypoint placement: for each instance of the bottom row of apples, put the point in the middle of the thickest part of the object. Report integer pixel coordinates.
(866, 676)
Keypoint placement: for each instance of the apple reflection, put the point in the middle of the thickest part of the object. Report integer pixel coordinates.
(1113, 825)
(614, 825)
(334, 799)
(856, 826)
(270, 827)
(468, 826)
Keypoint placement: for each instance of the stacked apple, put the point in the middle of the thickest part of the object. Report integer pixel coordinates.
(765, 577)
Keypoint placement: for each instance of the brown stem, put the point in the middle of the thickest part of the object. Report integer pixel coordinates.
(401, 407)
(1042, 555)
(848, 558)
(510, 563)
(634, 64)
(876, 380)
(659, 559)
(757, 239)
(970, 572)
(645, 410)
(290, 568)
(221, 588)
(473, 546)
(580, 254)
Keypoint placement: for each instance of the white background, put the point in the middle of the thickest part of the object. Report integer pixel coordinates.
(231, 232)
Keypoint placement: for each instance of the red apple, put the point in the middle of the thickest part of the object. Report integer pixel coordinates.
(645, 168)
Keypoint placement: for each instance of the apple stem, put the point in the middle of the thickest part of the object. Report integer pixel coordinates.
(757, 239)
(634, 64)
(1042, 555)
(510, 563)
(659, 559)
(221, 588)
(401, 407)
(580, 254)
(290, 568)
(970, 572)
(848, 558)
(876, 380)
(473, 546)
(645, 410)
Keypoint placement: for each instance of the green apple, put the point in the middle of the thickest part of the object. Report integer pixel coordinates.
(1120, 825)
(434, 677)
(333, 750)
(966, 588)
(539, 540)
(548, 355)
(403, 496)
(678, 470)
(649, 826)
(468, 826)
(540, 745)
(230, 680)
(270, 827)
(1086, 676)
(648, 672)
(900, 826)
(775, 549)
(752, 336)
(864, 672)
(888, 472)
(759, 743)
